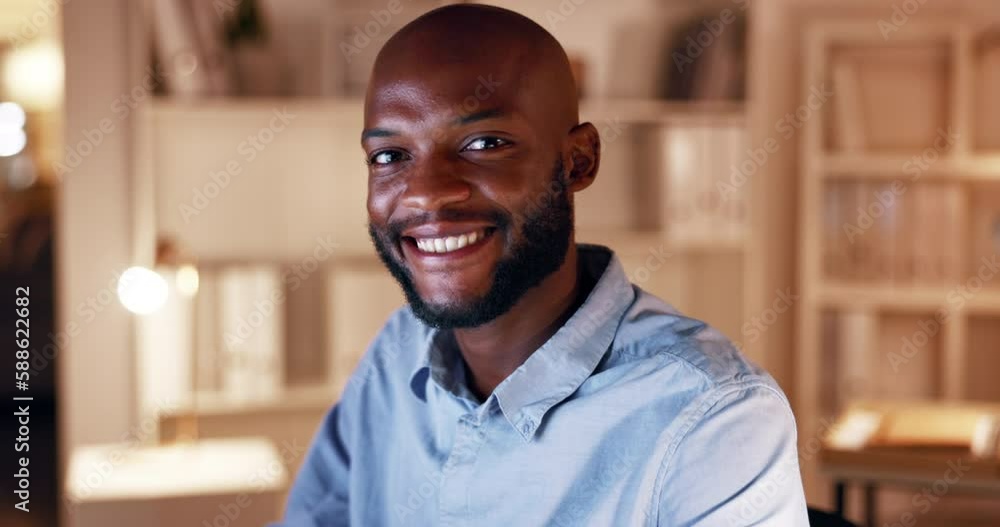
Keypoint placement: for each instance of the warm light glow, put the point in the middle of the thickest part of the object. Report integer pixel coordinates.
(33, 75)
(12, 141)
(141, 290)
(187, 280)
(12, 136)
(11, 115)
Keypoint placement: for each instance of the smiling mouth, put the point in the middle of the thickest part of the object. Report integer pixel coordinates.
(450, 245)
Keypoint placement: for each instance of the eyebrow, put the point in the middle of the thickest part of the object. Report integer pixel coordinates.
(478, 116)
(377, 132)
(460, 120)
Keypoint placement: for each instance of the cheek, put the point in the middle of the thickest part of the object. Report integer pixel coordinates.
(531, 205)
(380, 200)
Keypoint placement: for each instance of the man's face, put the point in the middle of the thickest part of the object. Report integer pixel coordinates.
(465, 197)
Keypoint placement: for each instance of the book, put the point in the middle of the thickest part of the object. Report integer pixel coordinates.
(902, 240)
(884, 232)
(834, 257)
(922, 233)
(252, 328)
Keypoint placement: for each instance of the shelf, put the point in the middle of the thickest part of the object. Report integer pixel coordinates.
(906, 168)
(304, 398)
(905, 298)
(634, 111)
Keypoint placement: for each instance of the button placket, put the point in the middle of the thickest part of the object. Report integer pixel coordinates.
(456, 474)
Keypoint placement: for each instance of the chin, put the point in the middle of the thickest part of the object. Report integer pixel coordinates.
(451, 298)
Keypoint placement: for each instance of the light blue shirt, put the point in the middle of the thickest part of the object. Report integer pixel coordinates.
(630, 415)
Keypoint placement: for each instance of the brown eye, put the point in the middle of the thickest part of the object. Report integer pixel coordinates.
(485, 143)
(385, 157)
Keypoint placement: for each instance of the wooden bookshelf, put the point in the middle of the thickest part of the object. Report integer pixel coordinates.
(912, 271)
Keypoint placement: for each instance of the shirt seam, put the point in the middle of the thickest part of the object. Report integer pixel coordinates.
(707, 404)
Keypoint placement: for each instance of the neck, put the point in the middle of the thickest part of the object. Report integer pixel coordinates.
(494, 350)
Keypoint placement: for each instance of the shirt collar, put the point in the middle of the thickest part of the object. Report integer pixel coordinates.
(558, 367)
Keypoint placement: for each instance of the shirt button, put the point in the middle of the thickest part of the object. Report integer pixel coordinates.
(526, 427)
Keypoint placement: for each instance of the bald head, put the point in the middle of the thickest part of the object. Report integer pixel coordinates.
(474, 45)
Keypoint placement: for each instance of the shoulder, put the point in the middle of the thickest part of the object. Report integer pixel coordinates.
(652, 329)
(689, 363)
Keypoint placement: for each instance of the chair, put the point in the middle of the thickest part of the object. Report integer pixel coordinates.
(818, 518)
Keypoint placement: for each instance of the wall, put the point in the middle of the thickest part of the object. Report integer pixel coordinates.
(94, 233)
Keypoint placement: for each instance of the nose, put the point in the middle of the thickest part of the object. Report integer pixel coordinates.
(434, 185)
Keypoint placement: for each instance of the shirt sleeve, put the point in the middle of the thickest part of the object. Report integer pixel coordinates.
(319, 494)
(736, 466)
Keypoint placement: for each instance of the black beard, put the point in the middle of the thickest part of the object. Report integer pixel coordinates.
(544, 239)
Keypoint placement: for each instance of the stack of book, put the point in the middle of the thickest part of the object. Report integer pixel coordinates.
(893, 232)
(708, 172)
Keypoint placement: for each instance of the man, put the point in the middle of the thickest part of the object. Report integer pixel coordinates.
(527, 382)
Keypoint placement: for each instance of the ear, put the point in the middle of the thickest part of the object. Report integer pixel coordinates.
(582, 156)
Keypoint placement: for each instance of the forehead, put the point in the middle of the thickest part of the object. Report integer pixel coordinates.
(448, 91)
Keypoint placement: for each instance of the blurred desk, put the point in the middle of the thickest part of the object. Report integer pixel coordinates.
(942, 469)
(177, 485)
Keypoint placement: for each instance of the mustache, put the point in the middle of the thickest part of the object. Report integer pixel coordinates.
(394, 229)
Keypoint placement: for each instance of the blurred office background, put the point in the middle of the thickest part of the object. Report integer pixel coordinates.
(182, 188)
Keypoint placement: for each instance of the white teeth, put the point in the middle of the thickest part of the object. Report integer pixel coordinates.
(449, 243)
